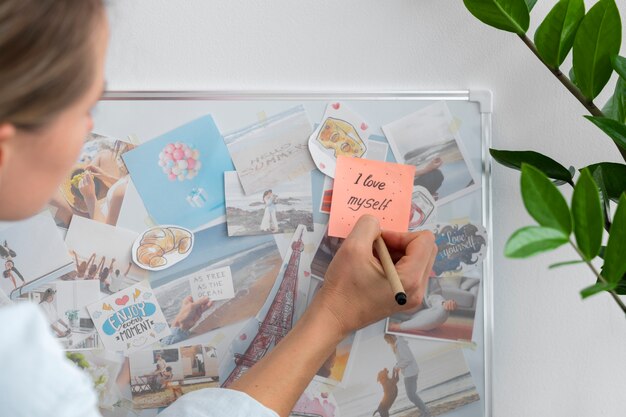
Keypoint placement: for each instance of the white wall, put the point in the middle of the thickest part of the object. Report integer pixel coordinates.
(555, 355)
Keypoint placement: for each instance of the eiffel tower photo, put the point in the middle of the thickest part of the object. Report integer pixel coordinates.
(275, 318)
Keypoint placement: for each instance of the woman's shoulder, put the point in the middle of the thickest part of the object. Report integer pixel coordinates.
(34, 366)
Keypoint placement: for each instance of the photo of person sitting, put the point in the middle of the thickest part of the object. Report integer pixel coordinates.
(433, 312)
(161, 364)
(167, 382)
(57, 324)
(96, 186)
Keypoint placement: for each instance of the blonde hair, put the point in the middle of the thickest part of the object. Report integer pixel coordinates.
(46, 58)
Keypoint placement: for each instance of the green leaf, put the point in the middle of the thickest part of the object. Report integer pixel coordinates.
(614, 266)
(572, 75)
(597, 288)
(615, 107)
(531, 240)
(530, 4)
(605, 201)
(547, 165)
(587, 215)
(555, 35)
(621, 287)
(510, 15)
(598, 38)
(543, 201)
(613, 178)
(566, 263)
(619, 64)
(616, 130)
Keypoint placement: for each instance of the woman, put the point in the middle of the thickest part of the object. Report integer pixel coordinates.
(9, 269)
(406, 363)
(82, 267)
(51, 75)
(60, 327)
(105, 283)
(269, 222)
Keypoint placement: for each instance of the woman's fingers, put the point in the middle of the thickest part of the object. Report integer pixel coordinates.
(365, 231)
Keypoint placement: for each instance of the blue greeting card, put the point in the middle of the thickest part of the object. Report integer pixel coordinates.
(179, 175)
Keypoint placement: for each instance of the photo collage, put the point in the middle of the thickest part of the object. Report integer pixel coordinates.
(234, 226)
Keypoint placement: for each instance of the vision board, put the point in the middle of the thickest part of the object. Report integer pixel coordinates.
(445, 135)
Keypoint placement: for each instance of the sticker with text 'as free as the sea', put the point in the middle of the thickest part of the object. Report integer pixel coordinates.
(129, 320)
(380, 189)
(216, 284)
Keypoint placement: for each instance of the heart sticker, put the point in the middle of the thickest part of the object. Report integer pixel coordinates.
(121, 301)
(323, 166)
(336, 106)
(147, 295)
(307, 273)
(364, 126)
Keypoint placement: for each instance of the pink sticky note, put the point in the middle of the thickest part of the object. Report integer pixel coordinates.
(363, 186)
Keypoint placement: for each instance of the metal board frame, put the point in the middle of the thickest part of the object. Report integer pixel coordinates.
(484, 100)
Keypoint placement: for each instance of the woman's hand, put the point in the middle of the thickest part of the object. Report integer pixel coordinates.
(190, 312)
(99, 173)
(356, 291)
(87, 187)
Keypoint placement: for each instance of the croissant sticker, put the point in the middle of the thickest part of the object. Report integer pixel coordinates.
(161, 247)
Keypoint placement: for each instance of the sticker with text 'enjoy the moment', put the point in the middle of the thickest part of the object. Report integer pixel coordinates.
(461, 247)
(129, 320)
(380, 189)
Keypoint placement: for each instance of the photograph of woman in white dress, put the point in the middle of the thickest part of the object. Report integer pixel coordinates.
(269, 222)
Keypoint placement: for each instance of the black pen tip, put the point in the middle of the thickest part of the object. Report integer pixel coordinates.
(401, 298)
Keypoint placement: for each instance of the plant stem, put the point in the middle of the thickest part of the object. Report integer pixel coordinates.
(589, 105)
(616, 297)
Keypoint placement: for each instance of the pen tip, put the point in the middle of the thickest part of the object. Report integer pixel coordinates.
(401, 298)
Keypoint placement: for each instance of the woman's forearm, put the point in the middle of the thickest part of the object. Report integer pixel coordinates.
(278, 380)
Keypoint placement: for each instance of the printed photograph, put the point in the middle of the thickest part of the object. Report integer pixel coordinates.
(394, 376)
(103, 253)
(160, 377)
(96, 185)
(32, 252)
(447, 311)
(282, 308)
(179, 175)
(277, 210)
(254, 263)
(63, 304)
(429, 140)
(272, 151)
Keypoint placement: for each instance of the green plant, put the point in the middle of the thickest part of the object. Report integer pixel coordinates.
(594, 38)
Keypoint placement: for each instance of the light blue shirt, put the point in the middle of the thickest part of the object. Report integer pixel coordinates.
(36, 380)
